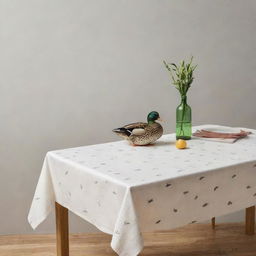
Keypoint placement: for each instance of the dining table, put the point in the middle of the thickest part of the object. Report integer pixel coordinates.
(126, 190)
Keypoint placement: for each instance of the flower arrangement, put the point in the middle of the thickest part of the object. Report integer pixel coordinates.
(181, 75)
(182, 78)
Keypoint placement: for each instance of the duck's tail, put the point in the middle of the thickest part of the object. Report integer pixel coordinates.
(122, 132)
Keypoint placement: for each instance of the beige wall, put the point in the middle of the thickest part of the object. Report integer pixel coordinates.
(70, 71)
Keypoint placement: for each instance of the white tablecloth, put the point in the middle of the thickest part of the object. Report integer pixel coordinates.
(125, 190)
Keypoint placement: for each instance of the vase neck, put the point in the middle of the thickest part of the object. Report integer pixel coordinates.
(183, 99)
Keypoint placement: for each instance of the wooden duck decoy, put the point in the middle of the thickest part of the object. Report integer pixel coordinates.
(141, 134)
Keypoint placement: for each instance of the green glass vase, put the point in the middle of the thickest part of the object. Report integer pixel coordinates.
(183, 120)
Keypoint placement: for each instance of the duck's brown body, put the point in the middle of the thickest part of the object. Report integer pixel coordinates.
(141, 134)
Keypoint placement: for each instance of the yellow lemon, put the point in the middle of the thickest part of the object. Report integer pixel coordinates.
(181, 144)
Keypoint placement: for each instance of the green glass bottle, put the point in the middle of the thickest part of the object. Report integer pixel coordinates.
(183, 120)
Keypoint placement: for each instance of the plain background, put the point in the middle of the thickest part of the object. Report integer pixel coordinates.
(70, 71)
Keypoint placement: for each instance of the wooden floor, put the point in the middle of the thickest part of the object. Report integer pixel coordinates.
(192, 240)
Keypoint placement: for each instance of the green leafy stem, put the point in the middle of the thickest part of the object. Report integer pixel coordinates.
(181, 75)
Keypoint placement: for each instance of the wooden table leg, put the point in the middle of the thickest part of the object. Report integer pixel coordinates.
(213, 223)
(250, 220)
(62, 230)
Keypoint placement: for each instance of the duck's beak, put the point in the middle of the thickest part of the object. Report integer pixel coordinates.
(160, 119)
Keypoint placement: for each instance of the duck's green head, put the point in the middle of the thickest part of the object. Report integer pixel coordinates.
(153, 116)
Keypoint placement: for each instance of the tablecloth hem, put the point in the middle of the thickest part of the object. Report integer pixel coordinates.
(133, 253)
(40, 220)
